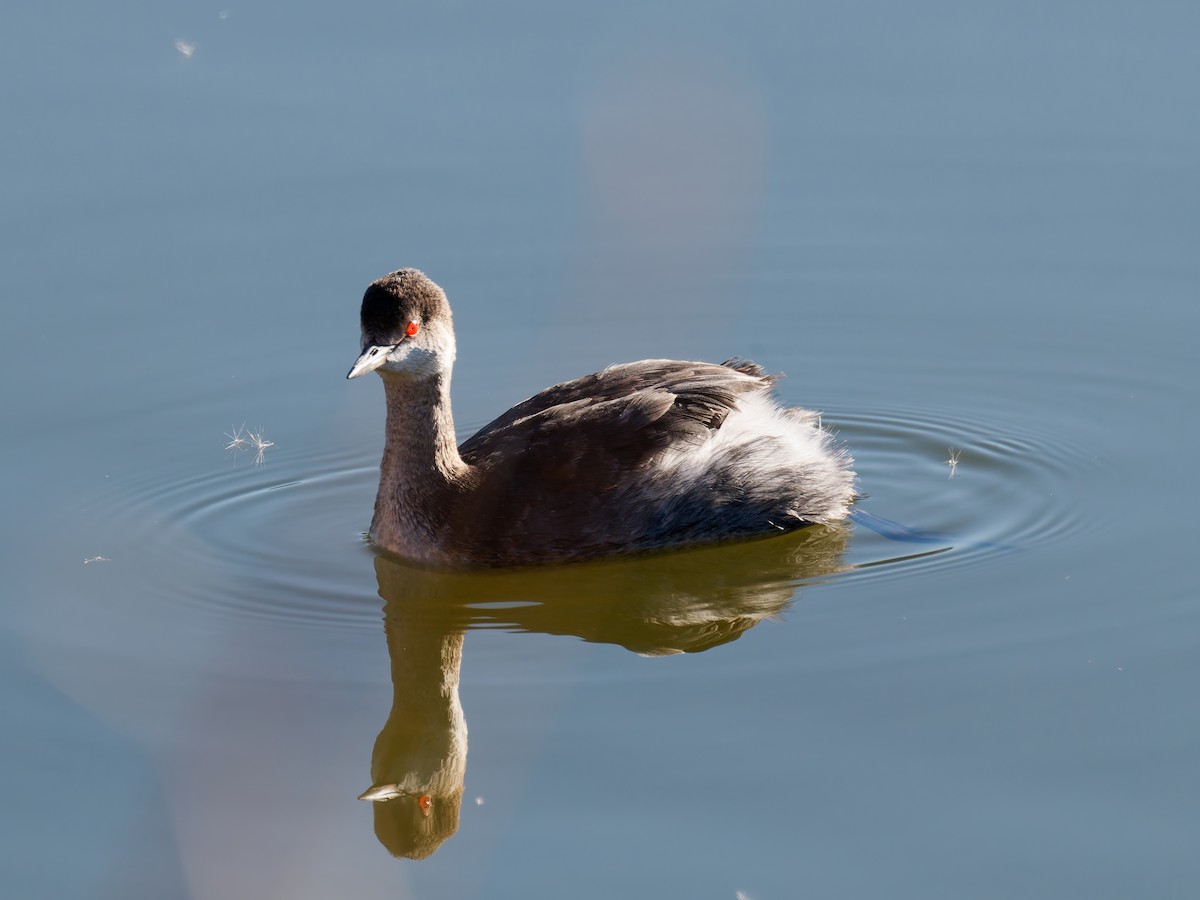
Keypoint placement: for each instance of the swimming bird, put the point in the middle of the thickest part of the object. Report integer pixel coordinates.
(643, 456)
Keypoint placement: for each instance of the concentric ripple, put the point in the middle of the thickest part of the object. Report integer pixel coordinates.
(957, 489)
(281, 541)
(284, 541)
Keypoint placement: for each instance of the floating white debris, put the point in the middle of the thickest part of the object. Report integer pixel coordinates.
(242, 439)
(952, 462)
(260, 444)
(237, 438)
(92, 559)
(185, 49)
(479, 801)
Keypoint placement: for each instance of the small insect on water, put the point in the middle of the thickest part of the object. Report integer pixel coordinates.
(952, 462)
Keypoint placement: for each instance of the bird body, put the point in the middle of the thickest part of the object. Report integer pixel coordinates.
(643, 456)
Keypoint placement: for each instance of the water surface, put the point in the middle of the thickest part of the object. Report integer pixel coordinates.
(963, 233)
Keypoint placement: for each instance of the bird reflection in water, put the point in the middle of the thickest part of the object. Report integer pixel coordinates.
(655, 606)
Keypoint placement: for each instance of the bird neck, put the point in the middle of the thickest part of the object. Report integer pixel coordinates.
(421, 469)
(419, 443)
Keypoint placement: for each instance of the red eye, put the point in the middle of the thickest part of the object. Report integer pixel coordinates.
(412, 329)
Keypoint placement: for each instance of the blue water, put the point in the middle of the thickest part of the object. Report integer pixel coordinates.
(965, 233)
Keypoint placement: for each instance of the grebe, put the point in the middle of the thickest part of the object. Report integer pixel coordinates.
(643, 456)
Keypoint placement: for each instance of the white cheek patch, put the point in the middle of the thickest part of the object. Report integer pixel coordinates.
(410, 360)
(429, 354)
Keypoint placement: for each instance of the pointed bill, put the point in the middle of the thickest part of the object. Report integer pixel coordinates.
(370, 360)
(378, 792)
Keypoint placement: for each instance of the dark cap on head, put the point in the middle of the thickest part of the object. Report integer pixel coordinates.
(396, 299)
